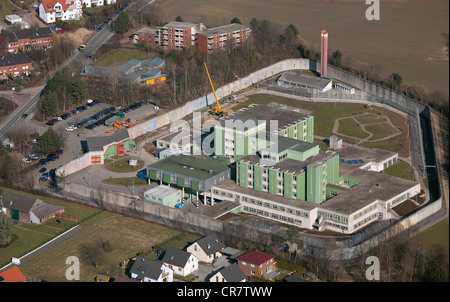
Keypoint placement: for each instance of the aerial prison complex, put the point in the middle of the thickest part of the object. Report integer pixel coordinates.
(279, 173)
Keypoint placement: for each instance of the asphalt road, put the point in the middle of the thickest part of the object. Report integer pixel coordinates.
(77, 61)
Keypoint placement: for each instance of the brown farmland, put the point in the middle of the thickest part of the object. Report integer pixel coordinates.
(411, 37)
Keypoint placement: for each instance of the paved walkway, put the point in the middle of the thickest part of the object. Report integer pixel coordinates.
(47, 246)
(362, 126)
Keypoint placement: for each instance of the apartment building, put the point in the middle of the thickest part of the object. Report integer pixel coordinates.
(14, 65)
(180, 35)
(222, 37)
(27, 39)
(52, 10)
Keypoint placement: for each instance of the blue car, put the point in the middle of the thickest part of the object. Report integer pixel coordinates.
(100, 28)
(179, 205)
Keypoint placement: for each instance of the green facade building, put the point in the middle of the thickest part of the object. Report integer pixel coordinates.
(295, 169)
(246, 131)
(163, 195)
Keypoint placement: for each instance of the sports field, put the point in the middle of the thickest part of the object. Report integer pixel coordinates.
(411, 37)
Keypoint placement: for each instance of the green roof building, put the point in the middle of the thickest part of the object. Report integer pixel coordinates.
(189, 172)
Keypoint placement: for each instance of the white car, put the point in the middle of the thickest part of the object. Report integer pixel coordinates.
(59, 118)
(71, 128)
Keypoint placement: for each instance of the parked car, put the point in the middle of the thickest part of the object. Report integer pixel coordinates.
(179, 205)
(60, 31)
(42, 170)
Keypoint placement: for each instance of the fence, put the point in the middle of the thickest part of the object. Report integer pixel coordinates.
(345, 249)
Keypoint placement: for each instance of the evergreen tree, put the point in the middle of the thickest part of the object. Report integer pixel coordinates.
(78, 89)
(50, 141)
(236, 20)
(122, 23)
(5, 229)
(49, 105)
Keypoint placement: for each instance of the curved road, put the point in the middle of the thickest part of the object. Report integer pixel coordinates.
(77, 61)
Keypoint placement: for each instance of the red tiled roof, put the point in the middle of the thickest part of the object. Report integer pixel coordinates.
(255, 257)
(52, 3)
(12, 275)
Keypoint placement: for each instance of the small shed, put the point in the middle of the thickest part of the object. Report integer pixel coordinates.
(13, 19)
(163, 195)
(335, 142)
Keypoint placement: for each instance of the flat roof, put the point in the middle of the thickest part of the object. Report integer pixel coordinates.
(258, 112)
(374, 186)
(304, 80)
(300, 203)
(147, 30)
(161, 191)
(180, 25)
(366, 155)
(224, 29)
(291, 165)
(195, 167)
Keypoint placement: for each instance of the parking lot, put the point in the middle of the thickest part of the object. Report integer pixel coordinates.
(81, 122)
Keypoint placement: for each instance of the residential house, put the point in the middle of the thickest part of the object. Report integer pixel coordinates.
(12, 274)
(207, 248)
(52, 10)
(14, 65)
(256, 263)
(25, 40)
(148, 270)
(97, 3)
(28, 209)
(183, 263)
(232, 273)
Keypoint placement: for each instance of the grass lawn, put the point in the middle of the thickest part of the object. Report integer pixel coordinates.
(400, 169)
(436, 234)
(325, 114)
(371, 119)
(130, 181)
(126, 235)
(381, 130)
(25, 243)
(122, 55)
(121, 165)
(405, 207)
(29, 240)
(350, 128)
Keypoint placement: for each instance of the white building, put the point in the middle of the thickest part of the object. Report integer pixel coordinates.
(148, 270)
(181, 262)
(13, 19)
(52, 10)
(207, 248)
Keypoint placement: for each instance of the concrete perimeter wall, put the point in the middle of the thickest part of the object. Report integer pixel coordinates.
(345, 249)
